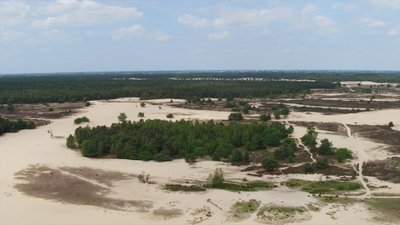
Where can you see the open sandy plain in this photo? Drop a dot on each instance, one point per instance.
(44, 182)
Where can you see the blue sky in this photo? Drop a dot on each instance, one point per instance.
(129, 35)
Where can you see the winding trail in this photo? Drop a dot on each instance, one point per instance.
(358, 166)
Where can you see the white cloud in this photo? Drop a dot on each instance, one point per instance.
(128, 32)
(347, 7)
(395, 31)
(391, 4)
(193, 21)
(251, 17)
(325, 25)
(216, 36)
(161, 36)
(57, 36)
(11, 35)
(309, 10)
(371, 22)
(81, 13)
(14, 12)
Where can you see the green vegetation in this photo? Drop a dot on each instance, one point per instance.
(243, 209)
(85, 87)
(235, 117)
(80, 120)
(342, 154)
(217, 181)
(170, 116)
(71, 143)
(387, 208)
(184, 188)
(265, 117)
(122, 117)
(270, 164)
(323, 187)
(390, 124)
(310, 138)
(141, 114)
(166, 140)
(10, 126)
(142, 104)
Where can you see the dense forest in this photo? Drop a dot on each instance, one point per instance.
(7, 125)
(165, 140)
(82, 87)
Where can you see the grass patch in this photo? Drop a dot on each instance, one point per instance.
(388, 208)
(250, 186)
(243, 209)
(184, 188)
(339, 200)
(313, 207)
(323, 187)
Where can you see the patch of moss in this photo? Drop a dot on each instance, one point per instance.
(243, 209)
(249, 186)
(184, 188)
(323, 187)
(388, 209)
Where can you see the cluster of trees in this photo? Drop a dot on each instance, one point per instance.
(166, 140)
(7, 125)
(84, 87)
(324, 150)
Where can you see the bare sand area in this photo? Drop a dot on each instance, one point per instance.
(43, 182)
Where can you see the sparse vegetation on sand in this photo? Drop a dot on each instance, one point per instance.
(387, 208)
(217, 181)
(243, 209)
(323, 187)
(184, 188)
(282, 214)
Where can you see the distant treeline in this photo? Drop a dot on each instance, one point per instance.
(72, 88)
(165, 140)
(7, 125)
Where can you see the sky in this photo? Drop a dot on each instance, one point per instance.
(43, 36)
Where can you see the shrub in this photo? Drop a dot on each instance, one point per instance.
(343, 154)
(217, 178)
(170, 115)
(141, 114)
(265, 117)
(235, 117)
(144, 178)
(322, 164)
(390, 124)
(326, 147)
(142, 104)
(81, 120)
(122, 117)
(269, 164)
(308, 168)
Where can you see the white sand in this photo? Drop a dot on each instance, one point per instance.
(28, 147)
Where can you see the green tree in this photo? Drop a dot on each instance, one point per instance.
(270, 164)
(71, 142)
(343, 154)
(310, 138)
(326, 147)
(122, 117)
(265, 117)
(89, 149)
